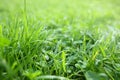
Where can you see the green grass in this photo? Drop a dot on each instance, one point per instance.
(59, 40)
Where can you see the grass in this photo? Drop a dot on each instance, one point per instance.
(59, 40)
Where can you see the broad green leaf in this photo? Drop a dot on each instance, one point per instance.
(32, 75)
(93, 76)
(51, 77)
(4, 41)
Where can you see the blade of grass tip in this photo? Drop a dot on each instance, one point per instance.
(94, 56)
(84, 44)
(84, 47)
(109, 74)
(63, 56)
(25, 20)
(103, 52)
(0, 31)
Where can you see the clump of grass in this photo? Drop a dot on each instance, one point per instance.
(60, 40)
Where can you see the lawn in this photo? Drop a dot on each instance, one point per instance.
(59, 40)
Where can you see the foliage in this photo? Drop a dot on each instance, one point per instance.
(59, 40)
